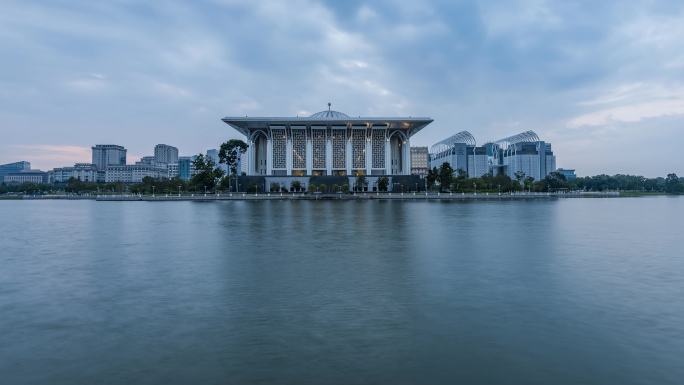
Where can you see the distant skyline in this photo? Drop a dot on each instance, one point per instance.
(602, 81)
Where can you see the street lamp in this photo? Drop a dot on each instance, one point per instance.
(152, 191)
(179, 188)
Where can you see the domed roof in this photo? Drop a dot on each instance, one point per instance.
(330, 115)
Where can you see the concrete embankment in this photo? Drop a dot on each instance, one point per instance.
(358, 196)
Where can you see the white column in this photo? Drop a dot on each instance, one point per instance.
(348, 157)
(250, 158)
(388, 158)
(407, 157)
(328, 153)
(269, 156)
(369, 155)
(309, 155)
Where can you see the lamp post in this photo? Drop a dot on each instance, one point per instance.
(475, 188)
(152, 191)
(179, 188)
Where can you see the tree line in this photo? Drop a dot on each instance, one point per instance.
(209, 177)
(445, 179)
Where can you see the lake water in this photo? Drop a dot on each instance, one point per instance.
(568, 291)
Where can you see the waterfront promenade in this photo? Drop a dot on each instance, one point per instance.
(329, 196)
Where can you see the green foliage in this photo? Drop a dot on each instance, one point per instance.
(446, 174)
(323, 188)
(275, 187)
(345, 188)
(230, 153)
(361, 183)
(383, 183)
(673, 184)
(296, 185)
(431, 177)
(208, 175)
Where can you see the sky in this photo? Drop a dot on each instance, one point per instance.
(603, 81)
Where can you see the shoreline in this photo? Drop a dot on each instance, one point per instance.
(318, 196)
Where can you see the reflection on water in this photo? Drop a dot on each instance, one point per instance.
(560, 291)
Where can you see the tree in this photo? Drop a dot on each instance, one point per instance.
(296, 185)
(527, 182)
(673, 185)
(431, 177)
(446, 173)
(207, 174)
(230, 153)
(275, 187)
(360, 183)
(519, 176)
(461, 174)
(383, 183)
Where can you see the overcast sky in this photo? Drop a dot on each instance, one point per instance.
(603, 81)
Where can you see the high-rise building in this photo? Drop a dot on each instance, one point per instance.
(419, 161)
(108, 155)
(163, 153)
(13, 167)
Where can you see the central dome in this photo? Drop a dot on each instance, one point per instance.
(329, 115)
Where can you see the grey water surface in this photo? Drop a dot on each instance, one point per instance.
(560, 291)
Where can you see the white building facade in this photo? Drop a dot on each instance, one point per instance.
(134, 173)
(163, 153)
(328, 143)
(85, 172)
(104, 155)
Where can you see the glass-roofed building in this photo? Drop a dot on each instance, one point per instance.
(328, 143)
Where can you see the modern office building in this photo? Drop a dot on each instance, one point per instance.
(163, 153)
(85, 172)
(108, 155)
(172, 169)
(523, 152)
(526, 153)
(12, 168)
(328, 143)
(186, 169)
(569, 174)
(462, 153)
(26, 176)
(134, 173)
(420, 161)
(213, 154)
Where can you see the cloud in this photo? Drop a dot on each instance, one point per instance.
(631, 103)
(141, 73)
(47, 155)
